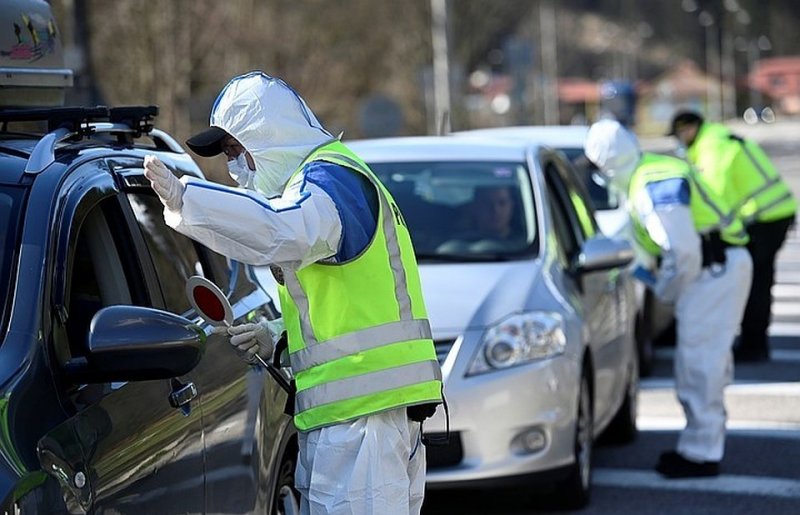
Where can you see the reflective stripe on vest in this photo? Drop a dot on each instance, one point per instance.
(756, 164)
(762, 189)
(765, 188)
(366, 384)
(303, 307)
(763, 209)
(726, 222)
(353, 343)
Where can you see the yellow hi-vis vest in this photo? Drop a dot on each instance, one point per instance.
(709, 212)
(358, 332)
(740, 172)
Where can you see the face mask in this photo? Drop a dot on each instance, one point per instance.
(240, 172)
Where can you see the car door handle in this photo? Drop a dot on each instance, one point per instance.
(182, 394)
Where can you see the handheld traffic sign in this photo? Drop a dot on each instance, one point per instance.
(214, 307)
(209, 301)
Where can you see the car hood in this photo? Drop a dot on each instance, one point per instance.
(462, 296)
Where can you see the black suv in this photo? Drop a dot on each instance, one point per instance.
(115, 397)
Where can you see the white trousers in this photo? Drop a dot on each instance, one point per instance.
(372, 465)
(708, 315)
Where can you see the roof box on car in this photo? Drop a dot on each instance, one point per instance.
(32, 72)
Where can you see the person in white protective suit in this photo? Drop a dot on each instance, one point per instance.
(704, 269)
(359, 341)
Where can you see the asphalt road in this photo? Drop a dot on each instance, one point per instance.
(761, 469)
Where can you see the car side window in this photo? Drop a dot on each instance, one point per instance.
(578, 199)
(560, 208)
(98, 276)
(175, 257)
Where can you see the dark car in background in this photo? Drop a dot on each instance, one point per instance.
(115, 397)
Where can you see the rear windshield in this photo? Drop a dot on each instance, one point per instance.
(10, 201)
(464, 211)
(602, 197)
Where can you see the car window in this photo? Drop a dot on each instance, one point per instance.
(602, 196)
(579, 200)
(10, 210)
(464, 210)
(98, 276)
(564, 218)
(174, 256)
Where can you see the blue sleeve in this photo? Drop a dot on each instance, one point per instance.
(356, 201)
(669, 192)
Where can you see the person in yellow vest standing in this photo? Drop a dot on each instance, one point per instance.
(738, 170)
(704, 269)
(359, 341)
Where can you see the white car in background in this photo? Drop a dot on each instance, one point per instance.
(532, 318)
(653, 317)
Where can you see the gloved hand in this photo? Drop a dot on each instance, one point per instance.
(168, 188)
(249, 340)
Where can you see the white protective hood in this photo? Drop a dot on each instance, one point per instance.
(614, 150)
(273, 123)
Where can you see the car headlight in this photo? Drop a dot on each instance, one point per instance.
(518, 339)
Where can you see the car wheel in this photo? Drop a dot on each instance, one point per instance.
(573, 491)
(622, 428)
(286, 499)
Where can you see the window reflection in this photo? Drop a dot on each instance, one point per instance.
(174, 255)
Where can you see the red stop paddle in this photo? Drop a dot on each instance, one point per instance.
(213, 306)
(209, 301)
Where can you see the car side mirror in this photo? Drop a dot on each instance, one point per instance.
(133, 343)
(602, 253)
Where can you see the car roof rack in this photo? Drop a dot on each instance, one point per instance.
(56, 117)
(63, 123)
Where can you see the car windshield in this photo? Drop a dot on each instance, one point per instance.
(602, 196)
(10, 200)
(464, 211)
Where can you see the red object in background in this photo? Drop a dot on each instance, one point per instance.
(779, 78)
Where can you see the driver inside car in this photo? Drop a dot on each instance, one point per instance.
(487, 225)
(493, 210)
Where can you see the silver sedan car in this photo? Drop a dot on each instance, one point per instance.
(653, 317)
(532, 309)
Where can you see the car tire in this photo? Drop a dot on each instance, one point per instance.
(622, 428)
(573, 491)
(286, 498)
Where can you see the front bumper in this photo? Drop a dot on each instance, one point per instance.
(490, 412)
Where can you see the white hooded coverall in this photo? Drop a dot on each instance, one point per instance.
(371, 465)
(708, 303)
